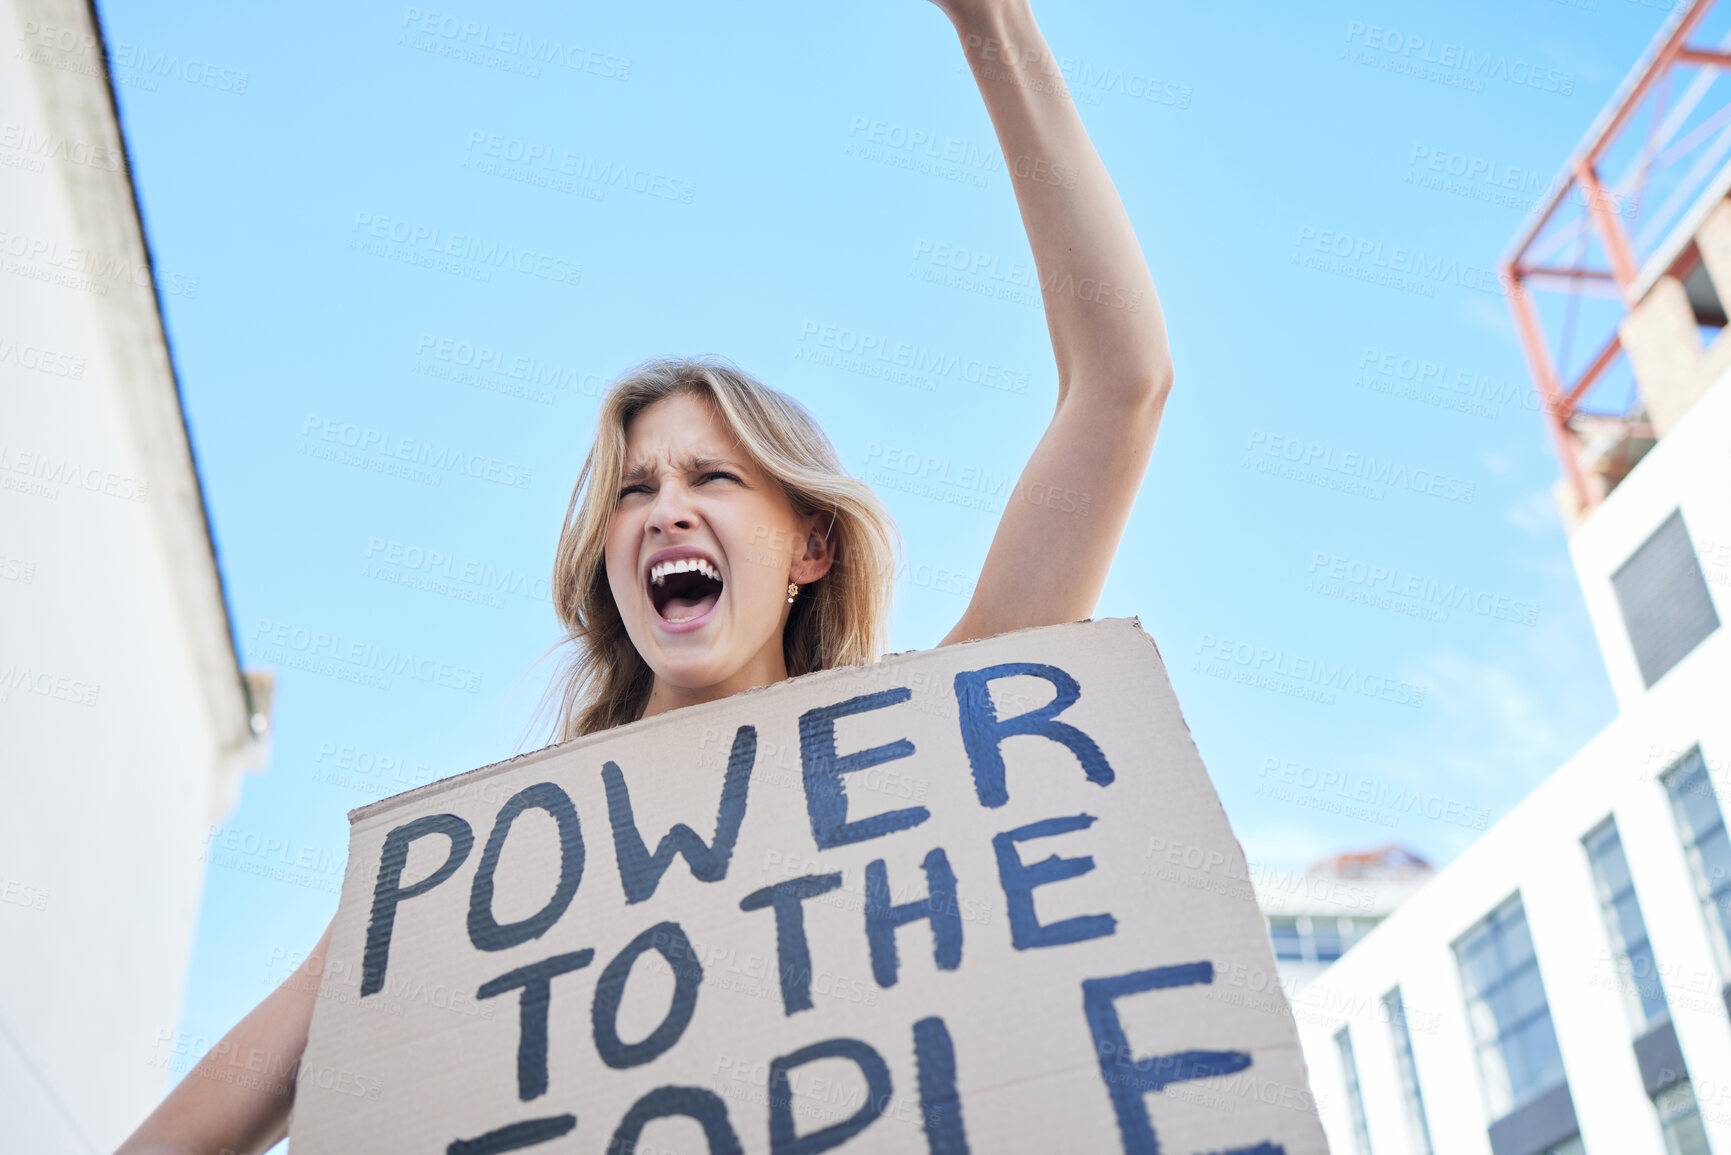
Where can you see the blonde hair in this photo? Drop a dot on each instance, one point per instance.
(841, 619)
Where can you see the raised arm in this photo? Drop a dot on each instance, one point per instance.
(1062, 524)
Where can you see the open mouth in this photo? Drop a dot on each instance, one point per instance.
(684, 589)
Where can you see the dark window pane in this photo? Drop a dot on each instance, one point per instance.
(1599, 839)
(1644, 978)
(1624, 926)
(1628, 922)
(1480, 969)
(1687, 1137)
(1715, 860)
(1538, 1043)
(1284, 933)
(1519, 1067)
(1412, 1096)
(1697, 808)
(1483, 1023)
(1680, 1120)
(1498, 1089)
(1517, 944)
(1721, 911)
(1613, 871)
(1526, 995)
(1506, 1008)
(1663, 595)
(1703, 829)
(1349, 1068)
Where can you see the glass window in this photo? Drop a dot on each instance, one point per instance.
(1624, 926)
(1680, 1120)
(1703, 297)
(1702, 827)
(1663, 595)
(1315, 938)
(1325, 934)
(1353, 929)
(1507, 1010)
(1417, 1126)
(1354, 1100)
(1287, 944)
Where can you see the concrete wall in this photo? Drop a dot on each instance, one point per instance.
(1689, 470)
(123, 719)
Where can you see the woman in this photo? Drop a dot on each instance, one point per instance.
(714, 543)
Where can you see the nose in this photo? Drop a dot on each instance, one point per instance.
(672, 510)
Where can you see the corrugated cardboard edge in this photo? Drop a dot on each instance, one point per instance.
(688, 713)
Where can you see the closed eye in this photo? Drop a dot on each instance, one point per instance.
(720, 473)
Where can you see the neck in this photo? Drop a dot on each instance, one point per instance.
(765, 669)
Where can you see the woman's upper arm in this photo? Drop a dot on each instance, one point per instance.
(1066, 515)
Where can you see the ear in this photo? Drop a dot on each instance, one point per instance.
(819, 553)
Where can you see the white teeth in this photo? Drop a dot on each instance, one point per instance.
(659, 572)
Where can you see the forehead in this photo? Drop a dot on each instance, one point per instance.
(679, 431)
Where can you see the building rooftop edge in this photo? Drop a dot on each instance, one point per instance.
(81, 104)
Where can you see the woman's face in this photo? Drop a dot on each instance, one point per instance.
(700, 550)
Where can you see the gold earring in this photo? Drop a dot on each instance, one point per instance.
(792, 592)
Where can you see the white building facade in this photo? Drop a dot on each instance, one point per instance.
(1565, 979)
(125, 720)
(1563, 985)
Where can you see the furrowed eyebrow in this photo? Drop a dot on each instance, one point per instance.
(690, 465)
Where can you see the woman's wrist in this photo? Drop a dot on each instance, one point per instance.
(1003, 44)
(997, 31)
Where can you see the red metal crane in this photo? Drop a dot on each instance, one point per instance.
(1625, 232)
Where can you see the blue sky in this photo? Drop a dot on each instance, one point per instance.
(308, 196)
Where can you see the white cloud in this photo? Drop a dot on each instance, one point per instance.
(1487, 313)
(1535, 514)
(1494, 735)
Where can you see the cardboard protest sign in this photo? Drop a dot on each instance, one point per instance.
(931, 905)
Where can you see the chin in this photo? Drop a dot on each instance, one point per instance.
(694, 659)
